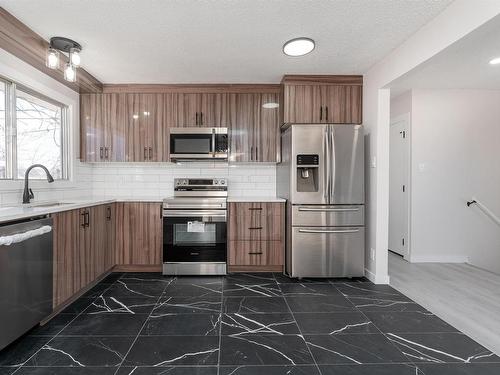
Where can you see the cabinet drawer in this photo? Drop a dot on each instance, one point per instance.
(255, 209)
(252, 227)
(255, 253)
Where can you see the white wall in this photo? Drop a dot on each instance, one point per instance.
(156, 180)
(456, 21)
(79, 184)
(455, 156)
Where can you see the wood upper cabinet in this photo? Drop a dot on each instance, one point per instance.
(322, 99)
(144, 122)
(254, 131)
(92, 138)
(139, 234)
(203, 110)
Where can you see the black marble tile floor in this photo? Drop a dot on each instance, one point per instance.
(245, 324)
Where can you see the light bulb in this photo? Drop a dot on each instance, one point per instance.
(69, 73)
(74, 56)
(52, 58)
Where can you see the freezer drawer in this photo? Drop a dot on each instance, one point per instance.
(327, 252)
(328, 216)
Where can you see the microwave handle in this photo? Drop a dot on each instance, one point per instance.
(213, 143)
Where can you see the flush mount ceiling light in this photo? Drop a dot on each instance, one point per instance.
(270, 105)
(495, 61)
(59, 44)
(298, 46)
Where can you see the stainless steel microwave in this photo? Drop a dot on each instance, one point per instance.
(198, 144)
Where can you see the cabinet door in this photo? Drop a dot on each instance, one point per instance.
(214, 110)
(115, 131)
(188, 110)
(353, 109)
(97, 227)
(66, 279)
(91, 127)
(109, 250)
(139, 233)
(171, 109)
(135, 127)
(266, 129)
(302, 104)
(152, 110)
(335, 104)
(241, 131)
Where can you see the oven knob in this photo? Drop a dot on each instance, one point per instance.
(184, 182)
(216, 182)
(222, 182)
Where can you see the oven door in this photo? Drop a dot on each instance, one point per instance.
(194, 236)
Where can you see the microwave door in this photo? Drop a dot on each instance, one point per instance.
(346, 164)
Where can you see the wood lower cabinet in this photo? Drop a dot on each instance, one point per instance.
(256, 237)
(139, 235)
(322, 99)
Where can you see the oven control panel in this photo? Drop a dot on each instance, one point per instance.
(206, 183)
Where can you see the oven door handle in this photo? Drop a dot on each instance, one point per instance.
(194, 213)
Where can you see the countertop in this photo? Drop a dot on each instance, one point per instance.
(256, 199)
(18, 212)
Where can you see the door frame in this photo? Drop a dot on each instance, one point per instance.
(406, 117)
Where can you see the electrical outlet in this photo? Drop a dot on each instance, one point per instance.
(372, 254)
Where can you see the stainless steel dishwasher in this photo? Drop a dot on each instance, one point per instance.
(25, 276)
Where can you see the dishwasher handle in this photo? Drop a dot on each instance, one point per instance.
(20, 237)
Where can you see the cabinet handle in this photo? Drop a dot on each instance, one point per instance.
(150, 153)
(255, 228)
(101, 152)
(256, 153)
(255, 208)
(251, 153)
(145, 153)
(108, 216)
(255, 253)
(86, 220)
(320, 113)
(326, 114)
(84, 224)
(196, 118)
(106, 153)
(201, 118)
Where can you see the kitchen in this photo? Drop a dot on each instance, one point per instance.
(195, 228)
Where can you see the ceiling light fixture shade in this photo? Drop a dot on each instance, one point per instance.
(74, 57)
(69, 72)
(298, 46)
(495, 61)
(52, 58)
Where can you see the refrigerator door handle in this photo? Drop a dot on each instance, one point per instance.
(326, 152)
(333, 162)
(328, 231)
(328, 209)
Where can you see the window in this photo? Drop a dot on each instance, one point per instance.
(32, 131)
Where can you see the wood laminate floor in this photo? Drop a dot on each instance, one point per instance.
(464, 296)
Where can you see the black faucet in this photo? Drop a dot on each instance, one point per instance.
(28, 193)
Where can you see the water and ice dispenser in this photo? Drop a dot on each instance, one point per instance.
(307, 172)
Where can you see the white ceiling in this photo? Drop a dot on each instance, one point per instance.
(463, 65)
(208, 41)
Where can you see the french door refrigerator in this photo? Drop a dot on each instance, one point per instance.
(321, 175)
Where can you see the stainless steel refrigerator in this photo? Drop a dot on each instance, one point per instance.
(321, 175)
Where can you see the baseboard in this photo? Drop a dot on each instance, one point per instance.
(137, 268)
(376, 279)
(438, 259)
(273, 268)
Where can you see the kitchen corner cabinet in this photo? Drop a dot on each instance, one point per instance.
(254, 131)
(322, 99)
(81, 249)
(139, 234)
(256, 237)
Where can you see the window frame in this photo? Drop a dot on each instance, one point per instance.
(11, 88)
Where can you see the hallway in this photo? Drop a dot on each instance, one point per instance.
(466, 297)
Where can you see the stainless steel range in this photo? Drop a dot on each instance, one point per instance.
(195, 227)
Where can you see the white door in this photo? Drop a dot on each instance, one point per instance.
(399, 152)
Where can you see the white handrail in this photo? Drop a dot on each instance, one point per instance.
(485, 209)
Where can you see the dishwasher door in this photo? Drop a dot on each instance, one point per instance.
(25, 276)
